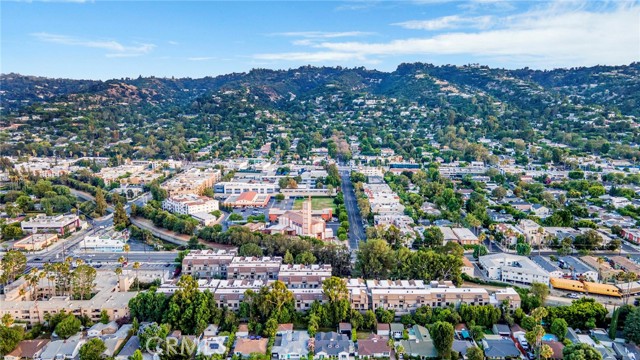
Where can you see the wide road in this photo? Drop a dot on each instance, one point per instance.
(356, 230)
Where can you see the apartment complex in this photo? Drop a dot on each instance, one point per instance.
(254, 268)
(207, 263)
(513, 268)
(304, 276)
(192, 181)
(189, 204)
(61, 224)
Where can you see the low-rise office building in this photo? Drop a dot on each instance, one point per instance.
(61, 224)
(35, 242)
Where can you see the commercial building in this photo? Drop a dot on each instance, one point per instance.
(192, 181)
(35, 242)
(61, 224)
(105, 242)
(238, 187)
(189, 204)
(513, 268)
(247, 199)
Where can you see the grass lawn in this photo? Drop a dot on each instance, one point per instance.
(317, 203)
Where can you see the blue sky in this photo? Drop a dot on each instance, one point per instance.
(114, 39)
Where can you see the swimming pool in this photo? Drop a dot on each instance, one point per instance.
(549, 337)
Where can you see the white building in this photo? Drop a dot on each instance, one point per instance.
(104, 242)
(189, 204)
(513, 268)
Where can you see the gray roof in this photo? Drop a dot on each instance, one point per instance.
(462, 346)
(332, 343)
(130, 347)
(578, 266)
(291, 342)
(545, 264)
(396, 327)
(572, 336)
(502, 328)
(60, 347)
(500, 349)
(422, 345)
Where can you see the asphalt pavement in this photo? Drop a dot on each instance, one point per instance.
(356, 230)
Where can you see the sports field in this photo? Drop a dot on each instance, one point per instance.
(317, 203)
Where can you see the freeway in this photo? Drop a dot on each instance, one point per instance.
(356, 230)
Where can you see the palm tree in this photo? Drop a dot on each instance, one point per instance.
(136, 267)
(126, 249)
(118, 272)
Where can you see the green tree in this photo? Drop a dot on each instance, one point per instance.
(433, 236)
(479, 250)
(523, 249)
(539, 290)
(101, 203)
(306, 258)
(104, 317)
(250, 249)
(559, 328)
(137, 355)
(83, 281)
(9, 338)
(69, 326)
(12, 231)
(335, 289)
(13, 264)
(120, 217)
(442, 335)
(288, 258)
(475, 353)
(632, 326)
(92, 349)
(580, 352)
(374, 259)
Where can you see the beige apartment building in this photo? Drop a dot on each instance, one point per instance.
(300, 276)
(207, 263)
(254, 268)
(192, 181)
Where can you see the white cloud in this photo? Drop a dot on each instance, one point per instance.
(114, 48)
(201, 58)
(559, 34)
(448, 22)
(322, 34)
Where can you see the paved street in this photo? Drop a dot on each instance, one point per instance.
(356, 230)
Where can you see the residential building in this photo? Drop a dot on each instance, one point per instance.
(463, 236)
(290, 345)
(512, 268)
(62, 349)
(532, 231)
(254, 268)
(238, 187)
(27, 349)
(301, 276)
(213, 345)
(419, 344)
(374, 347)
(244, 347)
(192, 181)
(497, 347)
(61, 224)
(578, 269)
(207, 263)
(189, 204)
(332, 345)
